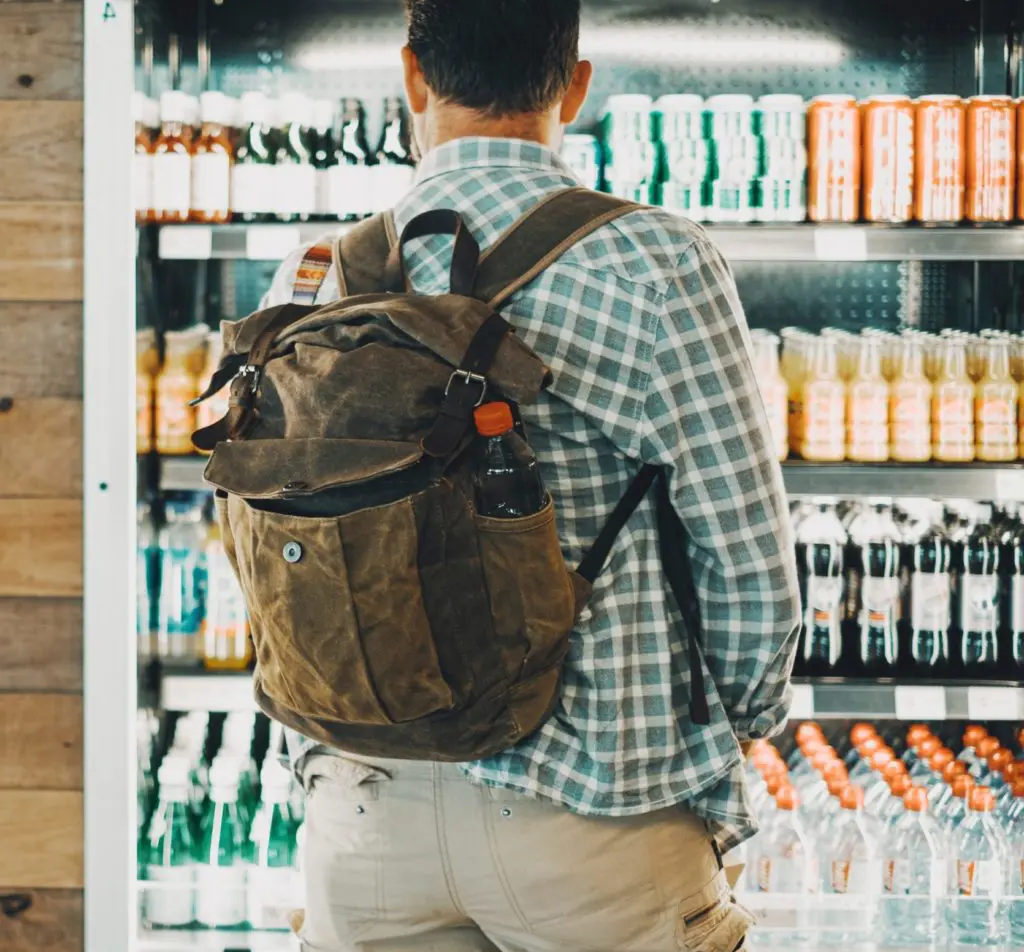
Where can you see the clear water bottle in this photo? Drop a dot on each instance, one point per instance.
(272, 852)
(978, 913)
(956, 807)
(1014, 825)
(913, 875)
(221, 867)
(181, 582)
(786, 866)
(820, 541)
(170, 861)
(508, 483)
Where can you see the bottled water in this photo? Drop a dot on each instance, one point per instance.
(956, 807)
(974, 734)
(979, 858)
(147, 561)
(170, 864)
(221, 872)
(893, 808)
(1015, 874)
(271, 853)
(913, 875)
(182, 584)
(785, 866)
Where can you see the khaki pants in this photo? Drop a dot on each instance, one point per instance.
(411, 856)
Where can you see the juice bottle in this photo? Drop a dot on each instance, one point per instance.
(172, 161)
(214, 408)
(775, 392)
(226, 643)
(846, 350)
(177, 385)
(824, 406)
(996, 406)
(868, 407)
(953, 407)
(142, 167)
(211, 160)
(793, 367)
(147, 363)
(910, 405)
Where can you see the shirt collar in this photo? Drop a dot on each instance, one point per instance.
(480, 152)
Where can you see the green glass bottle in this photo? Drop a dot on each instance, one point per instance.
(220, 863)
(272, 876)
(170, 848)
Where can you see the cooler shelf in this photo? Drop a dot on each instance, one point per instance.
(172, 940)
(753, 242)
(978, 481)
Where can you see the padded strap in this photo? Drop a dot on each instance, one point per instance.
(312, 272)
(465, 250)
(541, 237)
(674, 561)
(361, 255)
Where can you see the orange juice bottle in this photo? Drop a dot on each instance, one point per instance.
(177, 385)
(867, 415)
(793, 367)
(147, 363)
(226, 642)
(996, 406)
(910, 406)
(216, 407)
(824, 406)
(774, 391)
(953, 407)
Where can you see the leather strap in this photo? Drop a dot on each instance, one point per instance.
(465, 252)
(541, 237)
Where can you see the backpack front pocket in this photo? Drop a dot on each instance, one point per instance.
(337, 613)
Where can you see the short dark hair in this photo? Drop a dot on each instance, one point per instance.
(500, 57)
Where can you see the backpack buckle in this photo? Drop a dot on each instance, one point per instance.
(467, 378)
(251, 370)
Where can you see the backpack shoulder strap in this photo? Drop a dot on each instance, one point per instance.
(358, 258)
(541, 237)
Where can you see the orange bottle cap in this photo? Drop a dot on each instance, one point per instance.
(835, 768)
(861, 732)
(898, 786)
(1000, 759)
(881, 757)
(809, 730)
(851, 797)
(982, 800)
(987, 746)
(928, 746)
(1018, 788)
(493, 419)
(916, 799)
(787, 798)
(895, 768)
(809, 746)
(1020, 736)
(917, 733)
(870, 745)
(822, 756)
(962, 785)
(837, 784)
(1014, 771)
(775, 783)
(973, 734)
(955, 768)
(940, 758)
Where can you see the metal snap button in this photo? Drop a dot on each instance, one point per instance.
(506, 812)
(360, 810)
(292, 552)
(295, 486)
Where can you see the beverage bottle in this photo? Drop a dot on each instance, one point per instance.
(978, 596)
(939, 794)
(879, 550)
(849, 865)
(978, 913)
(294, 174)
(507, 481)
(911, 406)
(180, 610)
(212, 156)
(216, 407)
(271, 852)
(323, 154)
(996, 406)
(142, 166)
(893, 806)
(774, 391)
(953, 408)
(252, 176)
(1014, 825)
(176, 386)
(913, 875)
(147, 364)
(393, 174)
(786, 866)
(793, 367)
(170, 862)
(351, 186)
(867, 416)
(172, 161)
(220, 863)
(824, 406)
(916, 733)
(974, 734)
(1012, 563)
(928, 559)
(226, 644)
(820, 543)
(956, 806)
(147, 581)
(921, 770)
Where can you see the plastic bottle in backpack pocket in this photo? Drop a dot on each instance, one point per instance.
(507, 482)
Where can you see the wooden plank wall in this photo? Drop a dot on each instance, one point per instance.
(40, 475)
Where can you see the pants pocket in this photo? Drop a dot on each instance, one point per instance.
(712, 921)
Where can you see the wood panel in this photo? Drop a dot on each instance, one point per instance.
(44, 920)
(41, 152)
(40, 250)
(41, 448)
(40, 840)
(41, 547)
(41, 645)
(41, 350)
(40, 742)
(41, 50)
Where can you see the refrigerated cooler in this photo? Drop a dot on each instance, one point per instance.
(857, 163)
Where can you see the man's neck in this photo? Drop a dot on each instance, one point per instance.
(454, 122)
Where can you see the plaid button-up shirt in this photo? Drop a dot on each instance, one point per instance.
(643, 330)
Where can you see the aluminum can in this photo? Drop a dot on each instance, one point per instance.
(730, 115)
(991, 158)
(781, 116)
(887, 151)
(582, 153)
(628, 117)
(940, 166)
(833, 158)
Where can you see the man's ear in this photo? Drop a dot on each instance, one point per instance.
(415, 82)
(577, 93)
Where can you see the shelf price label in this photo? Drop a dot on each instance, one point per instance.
(920, 703)
(803, 702)
(186, 242)
(271, 242)
(840, 244)
(994, 703)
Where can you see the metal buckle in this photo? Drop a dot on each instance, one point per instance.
(250, 370)
(466, 377)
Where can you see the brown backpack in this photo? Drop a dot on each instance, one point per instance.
(389, 618)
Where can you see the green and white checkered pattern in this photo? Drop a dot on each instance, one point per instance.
(645, 335)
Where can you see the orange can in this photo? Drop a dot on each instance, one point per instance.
(833, 159)
(1020, 162)
(888, 158)
(991, 158)
(940, 152)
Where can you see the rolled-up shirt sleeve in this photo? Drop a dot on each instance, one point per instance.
(705, 420)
